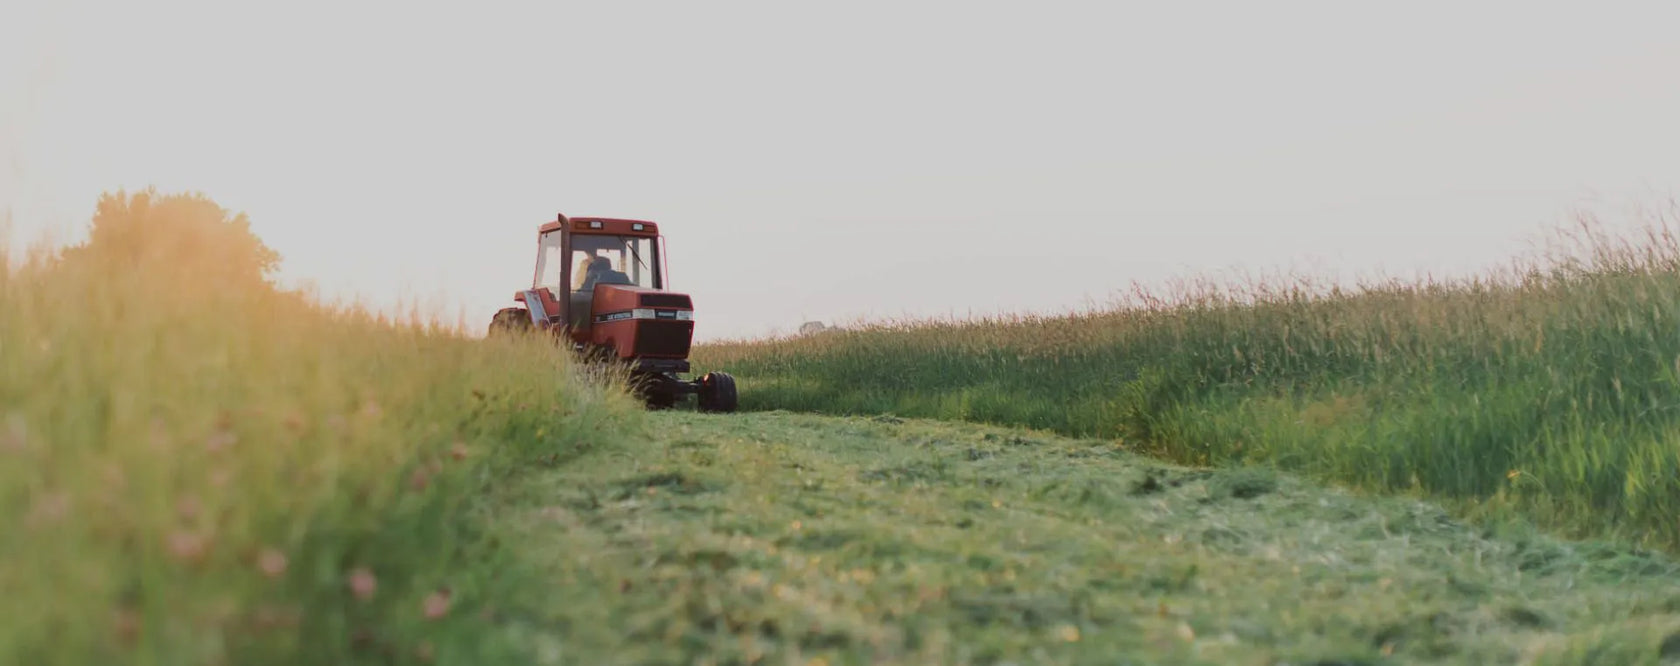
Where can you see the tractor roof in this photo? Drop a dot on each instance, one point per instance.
(605, 225)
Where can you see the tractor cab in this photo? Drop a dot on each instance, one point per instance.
(571, 265)
(602, 283)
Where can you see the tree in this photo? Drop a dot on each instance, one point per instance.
(177, 239)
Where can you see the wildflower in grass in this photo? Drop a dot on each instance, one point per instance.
(271, 617)
(362, 583)
(189, 507)
(1068, 633)
(436, 604)
(188, 546)
(458, 451)
(271, 562)
(419, 480)
(16, 437)
(219, 440)
(125, 623)
(49, 508)
(160, 437)
(115, 477)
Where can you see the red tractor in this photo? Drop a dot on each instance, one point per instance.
(602, 283)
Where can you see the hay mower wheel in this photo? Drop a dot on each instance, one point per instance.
(717, 392)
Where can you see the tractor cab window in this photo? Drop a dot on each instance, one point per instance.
(549, 262)
(599, 259)
(603, 259)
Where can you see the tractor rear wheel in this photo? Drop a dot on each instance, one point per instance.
(510, 320)
(717, 392)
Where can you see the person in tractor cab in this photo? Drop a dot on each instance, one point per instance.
(596, 270)
(599, 270)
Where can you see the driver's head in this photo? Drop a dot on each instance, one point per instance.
(600, 264)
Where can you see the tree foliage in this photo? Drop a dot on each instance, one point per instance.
(178, 239)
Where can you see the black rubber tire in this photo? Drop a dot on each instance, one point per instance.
(717, 393)
(510, 320)
(653, 390)
(659, 399)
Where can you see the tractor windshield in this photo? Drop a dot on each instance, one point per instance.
(613, 260)
(600, 259)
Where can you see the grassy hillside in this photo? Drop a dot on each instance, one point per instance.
(196, 468)
(1553, 388)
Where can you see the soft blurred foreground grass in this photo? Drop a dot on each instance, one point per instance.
(1551, 389)
(198, 469)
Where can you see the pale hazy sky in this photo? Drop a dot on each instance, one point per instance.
(826, 161)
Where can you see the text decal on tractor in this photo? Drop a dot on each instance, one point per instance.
(600, 283)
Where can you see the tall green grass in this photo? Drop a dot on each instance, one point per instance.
(196, 468)
(1551, 388)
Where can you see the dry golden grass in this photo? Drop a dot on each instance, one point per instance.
(197, 468)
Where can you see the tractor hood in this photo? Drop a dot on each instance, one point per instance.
(616, 298)
(619, 302)
(641, 322)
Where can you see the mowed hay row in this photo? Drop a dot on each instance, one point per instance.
(198, 468)
(1551, 388)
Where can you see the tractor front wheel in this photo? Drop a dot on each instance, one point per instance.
(717, 392)
(655, 390)
(660, 399)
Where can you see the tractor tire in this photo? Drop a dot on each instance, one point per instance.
(717, 393)
(653, 390)
(510, 320)
(659, 399)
